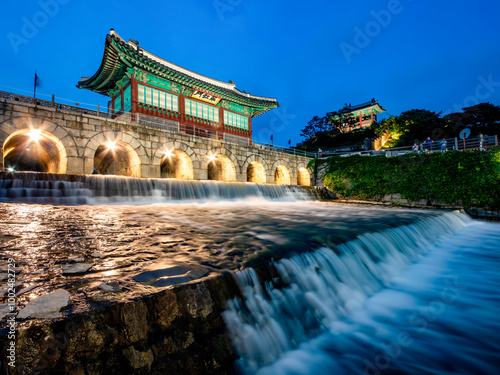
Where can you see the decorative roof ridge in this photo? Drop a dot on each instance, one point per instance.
(355, 107)
(351, 108)
(148, 55)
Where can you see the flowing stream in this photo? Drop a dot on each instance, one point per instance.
(416, 299)
(45, 188)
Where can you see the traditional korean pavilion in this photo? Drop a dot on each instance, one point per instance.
(363, 114)
(139, 82)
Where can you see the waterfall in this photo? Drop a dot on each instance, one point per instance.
(323, 286)
(46, 188)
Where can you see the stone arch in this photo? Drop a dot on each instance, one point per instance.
(256, 172)
(132, 154)
(63, 140)
(281, 172)
(219, 167)
(223, 156)
(282, 175)
(255, 158)
(176, 164)
(172, 145)
(304, 174)
(34, 149)
(174, 159)
(303, 177)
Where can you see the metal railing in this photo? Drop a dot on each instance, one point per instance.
(481, 143)
(16, 98)
(242, 141)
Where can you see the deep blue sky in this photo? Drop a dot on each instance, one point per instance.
(435, 55)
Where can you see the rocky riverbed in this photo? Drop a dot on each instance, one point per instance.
(149, 282)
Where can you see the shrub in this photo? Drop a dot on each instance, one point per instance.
(471, 178)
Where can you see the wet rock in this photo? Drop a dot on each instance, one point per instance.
(4, 310)
(135, 321)
(26, 290)
(138, 359)
(165, 308)
(110, 287)
(76, 268)
(46, 306)
(5, 289)
(177, 342)
(197, 301)
(161, 277)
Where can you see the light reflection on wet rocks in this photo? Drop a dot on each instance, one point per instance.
(180, 242)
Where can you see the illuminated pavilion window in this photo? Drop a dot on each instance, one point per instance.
(235, 120)
(127, 99)
(118, 103)
(201, 110)
(157, 98)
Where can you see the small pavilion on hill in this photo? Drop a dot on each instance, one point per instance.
(363, 115)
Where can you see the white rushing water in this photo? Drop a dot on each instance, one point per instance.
(366, 308)
(45, 188)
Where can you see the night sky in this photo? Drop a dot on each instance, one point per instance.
(408, 54)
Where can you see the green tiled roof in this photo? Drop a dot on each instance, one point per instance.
(120, 55)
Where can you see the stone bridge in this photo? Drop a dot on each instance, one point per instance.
(55, 140)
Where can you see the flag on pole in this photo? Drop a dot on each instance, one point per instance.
(271, 137)
(37, 83)
(289, 142)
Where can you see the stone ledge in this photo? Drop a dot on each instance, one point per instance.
(178, 330)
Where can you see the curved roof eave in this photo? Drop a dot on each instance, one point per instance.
(112, 57)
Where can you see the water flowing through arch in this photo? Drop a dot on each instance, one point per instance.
(34, 150)
(256, 172)
(282, 175)
(303, 177)
(176, 164)
(117, 158)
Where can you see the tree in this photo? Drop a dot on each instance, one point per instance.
(416, 125)
(314, 126)
(341, 121)
(481, 118)
(388, 131)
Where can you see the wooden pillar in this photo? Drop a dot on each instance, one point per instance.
(221, 121)
(182, 113)
(134, 97)
(122, 110)
(250, 127)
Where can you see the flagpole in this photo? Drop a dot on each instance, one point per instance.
(34, 90)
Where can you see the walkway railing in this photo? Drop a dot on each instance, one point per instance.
(16, 98)
(154, 122)
(474, 143)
